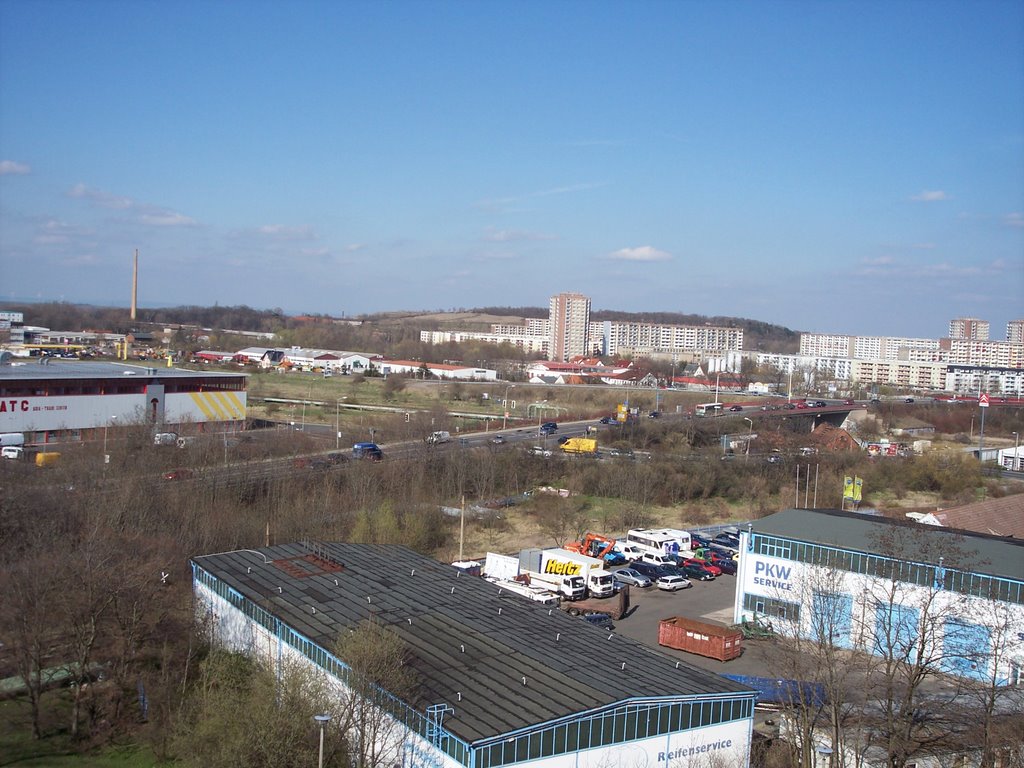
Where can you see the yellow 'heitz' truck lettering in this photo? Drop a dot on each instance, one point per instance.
(562, 569)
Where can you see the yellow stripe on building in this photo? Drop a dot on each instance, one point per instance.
(237, 401)
(197, 398)
(224, 402)
(211, 400)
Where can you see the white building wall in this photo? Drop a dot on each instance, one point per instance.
(236, 632)
(795, 582)
(722, 744)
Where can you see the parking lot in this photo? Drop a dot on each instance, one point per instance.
(707, 601)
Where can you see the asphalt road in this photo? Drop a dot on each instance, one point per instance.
(705, 600)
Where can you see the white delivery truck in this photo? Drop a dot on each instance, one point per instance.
(564, 581)
(530, 591)
(561, 563)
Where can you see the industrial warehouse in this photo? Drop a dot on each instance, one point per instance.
(501, 680)
(888, 587)
(51, 401)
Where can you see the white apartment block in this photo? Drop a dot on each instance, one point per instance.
(569, 325)
(834, 367)
(1015, 331)
(531, 327)
(902, 374)
(969, 380)
(986, 354)
(646, 338)
(529, 344)
(864, 347)
(968, 328)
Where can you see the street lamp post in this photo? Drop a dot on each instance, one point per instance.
(504, 405)
(750, 430)
(322, 720)
(1016, 446)
(106, 457)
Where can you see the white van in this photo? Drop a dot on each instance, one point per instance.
(439, 437)
(12, 452)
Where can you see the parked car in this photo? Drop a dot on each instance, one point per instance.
(697, 571)
(714, 570)
(649, 570)
(599, 619)
(654, 559)
(727, 540)
(671, 582)
(631, 576)
(724, 563)
(698, 540)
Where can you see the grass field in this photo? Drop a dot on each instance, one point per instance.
(485, 398)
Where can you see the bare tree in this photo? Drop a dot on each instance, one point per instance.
(379, 683)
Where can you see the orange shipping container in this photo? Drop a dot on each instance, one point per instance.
(715, 641)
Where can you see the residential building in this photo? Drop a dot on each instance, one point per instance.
(516, 335)
(614, 337)
(863, 347)
(968, 328)
(569, 326)
(1003, 354)
(1015, 331)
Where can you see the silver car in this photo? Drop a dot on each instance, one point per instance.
(672, 582)
(630, 576)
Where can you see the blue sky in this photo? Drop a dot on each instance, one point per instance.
(829, 166)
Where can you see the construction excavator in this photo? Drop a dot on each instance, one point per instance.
(601, 547)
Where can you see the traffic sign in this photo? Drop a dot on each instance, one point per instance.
(983, 400)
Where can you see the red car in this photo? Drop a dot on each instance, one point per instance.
(714, 570)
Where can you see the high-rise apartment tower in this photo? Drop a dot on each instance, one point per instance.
(569, 326)
(968, 328)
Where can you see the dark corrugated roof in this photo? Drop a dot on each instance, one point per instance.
(478, 640)
(54, 369)
(904, 540)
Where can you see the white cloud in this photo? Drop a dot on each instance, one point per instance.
(99, 197)
(513, 236)
(353, 247)
(643, 253)
(14, 168)
(284, 232)
(166, 219)
(1015, 219)
(502, 204)
(142, 213)
(931, 196)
